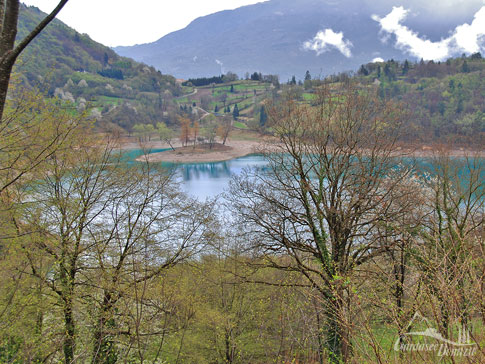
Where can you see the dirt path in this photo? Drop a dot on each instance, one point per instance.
(187, 95)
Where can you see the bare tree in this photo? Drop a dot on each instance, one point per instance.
(100, 230)
(9, 52)
(210, 131)
(166, 134)
(332, 180)
(450, 236)
(31, 132)
(149, 229)
(225, 128)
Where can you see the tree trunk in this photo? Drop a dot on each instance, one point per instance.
(104, 351)
(337, 338)
(5, 71)
(319, 336)
(8, 32)
(7, 41)
(229, 352)
(69, 340)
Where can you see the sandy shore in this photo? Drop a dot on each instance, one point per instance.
(240, 148)
(233, 149)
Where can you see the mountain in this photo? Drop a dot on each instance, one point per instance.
(73, 67)
(269, 37)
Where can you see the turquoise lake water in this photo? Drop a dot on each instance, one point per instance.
(205, 180)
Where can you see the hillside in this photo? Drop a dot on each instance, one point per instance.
(446, 100)
(446, 97)
(269, 37)
(75, 68)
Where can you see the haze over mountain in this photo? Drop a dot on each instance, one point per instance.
(288, 37)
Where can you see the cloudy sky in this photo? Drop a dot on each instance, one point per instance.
(120, 22)
(466, 38)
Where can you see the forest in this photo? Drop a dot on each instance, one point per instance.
(334, 254)
(345, 248)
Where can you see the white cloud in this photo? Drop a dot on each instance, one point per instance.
(327, 38)
(469, 37)
(466, 38)
(377, 59)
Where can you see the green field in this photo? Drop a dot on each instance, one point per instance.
(240, 125)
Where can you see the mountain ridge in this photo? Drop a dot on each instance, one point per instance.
(268, 37)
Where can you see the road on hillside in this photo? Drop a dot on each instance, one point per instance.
(191, 94)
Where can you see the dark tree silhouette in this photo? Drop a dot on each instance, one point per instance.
(235, 112)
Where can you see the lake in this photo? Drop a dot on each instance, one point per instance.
(205, 180)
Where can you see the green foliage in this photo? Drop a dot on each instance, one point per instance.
(240, 125)
(443, 97)
(73, 63)
(144, 132)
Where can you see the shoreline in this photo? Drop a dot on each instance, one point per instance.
(241, 148)
(234, 149)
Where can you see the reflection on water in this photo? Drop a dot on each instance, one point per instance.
(200, 171)
(204, 180)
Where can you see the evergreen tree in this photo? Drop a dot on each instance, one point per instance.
(477, 55)
(235, 112)
(263, 117)
(363, 71)
(405, 67)
(464, 67)
(232, 88)
(308, 77)
(216, 109)
(387, 70)
(459, 107)
(255, 76)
